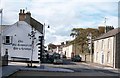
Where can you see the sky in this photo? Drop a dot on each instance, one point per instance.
(63, 15)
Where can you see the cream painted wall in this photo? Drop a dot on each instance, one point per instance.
(68, 50)
(99, 49)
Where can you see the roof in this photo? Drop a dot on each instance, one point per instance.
(37, 25)
(109, 34)
(31, 21)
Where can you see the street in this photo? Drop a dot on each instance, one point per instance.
(83, 67)
(80, 69)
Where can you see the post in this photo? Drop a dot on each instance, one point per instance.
(75, 45)
(90, 47)
(32, 51)
(1, 38)
(91, 57)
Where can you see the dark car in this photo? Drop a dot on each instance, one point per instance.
(58, 61)
(76, 58)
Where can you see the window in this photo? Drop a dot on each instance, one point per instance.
(102, 45)
(102, 58)
(96, 56)
(108, 43)
(97, 45)
(8, 40)
(108, 57)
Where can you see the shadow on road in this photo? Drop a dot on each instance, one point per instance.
(68, 62)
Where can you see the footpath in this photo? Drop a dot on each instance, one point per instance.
(11, 69)
(100, 66)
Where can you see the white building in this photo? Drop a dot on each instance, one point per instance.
(106, 49)
(16, 38)
(67, 50)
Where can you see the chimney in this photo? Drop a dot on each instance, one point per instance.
(62, 43)
(28, 16)
(101, 29)
(108, 28)
(22, 15)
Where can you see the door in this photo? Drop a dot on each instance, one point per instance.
(102, 61)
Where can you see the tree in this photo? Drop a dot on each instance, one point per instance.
(80, 36)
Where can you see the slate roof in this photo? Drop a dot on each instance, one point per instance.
(37, 25)
(34, 23)
(109, 34)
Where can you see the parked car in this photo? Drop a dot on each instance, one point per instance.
(76, 58)
(58, 61)
(63, 56)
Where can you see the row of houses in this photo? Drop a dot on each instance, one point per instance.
(17, 41)
(106, 49)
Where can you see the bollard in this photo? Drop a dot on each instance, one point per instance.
(5, 58)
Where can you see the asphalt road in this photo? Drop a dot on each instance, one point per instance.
(81, 70)
(80, 67)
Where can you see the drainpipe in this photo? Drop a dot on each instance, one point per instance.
(114, 51)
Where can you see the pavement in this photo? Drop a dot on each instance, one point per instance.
(14, 67)
(100, 66)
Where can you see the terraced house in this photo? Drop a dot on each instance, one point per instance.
(106, 48)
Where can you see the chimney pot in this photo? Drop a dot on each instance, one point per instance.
(20, 10)
(23, 11)
(21, 15)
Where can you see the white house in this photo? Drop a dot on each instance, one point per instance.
(67, 50)
(106, 49)
(16, 38)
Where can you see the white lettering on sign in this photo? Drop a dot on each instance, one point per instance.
(21, 46)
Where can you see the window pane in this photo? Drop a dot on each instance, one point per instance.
(7, 39)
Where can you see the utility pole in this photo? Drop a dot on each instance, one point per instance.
(90, 46)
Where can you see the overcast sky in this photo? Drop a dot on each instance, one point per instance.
(63, 15)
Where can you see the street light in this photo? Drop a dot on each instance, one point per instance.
(44, 32)
(90, 45)
(1, 34)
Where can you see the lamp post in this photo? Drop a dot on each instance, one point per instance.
(90, 45)
(32, 36)
(44, 32)
(1, 34)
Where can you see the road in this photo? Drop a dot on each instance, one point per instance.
(80, 69)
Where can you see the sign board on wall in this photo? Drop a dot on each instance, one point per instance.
(21, 46)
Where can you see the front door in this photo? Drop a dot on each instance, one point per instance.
(102, 61)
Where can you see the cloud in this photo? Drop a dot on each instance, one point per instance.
(110, 21)
(63, 15)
